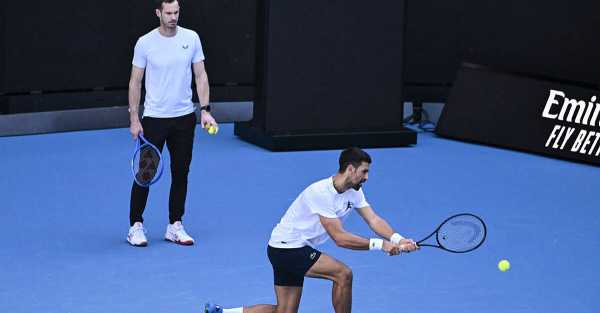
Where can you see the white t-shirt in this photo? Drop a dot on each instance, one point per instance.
(168, 61)
(301, 226)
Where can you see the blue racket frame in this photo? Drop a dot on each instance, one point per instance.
(141, 143)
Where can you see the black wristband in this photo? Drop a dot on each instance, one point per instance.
(205, 108)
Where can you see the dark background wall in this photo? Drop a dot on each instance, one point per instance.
(339, 72)
(86, 46)
(52, 46)
(73, 49)
(3, 106)
(553, 38)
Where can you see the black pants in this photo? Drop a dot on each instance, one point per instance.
(178, 133)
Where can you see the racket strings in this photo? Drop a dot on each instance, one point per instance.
(462, 233)
(146, 162)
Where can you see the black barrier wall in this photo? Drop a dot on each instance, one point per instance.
(524, 112)
(87, 45)
(340, 71)
(2, 58)
(329, 76)
(554, 38)
(62, 46)
(57, 45)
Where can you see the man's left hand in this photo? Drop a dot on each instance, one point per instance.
(206, 119)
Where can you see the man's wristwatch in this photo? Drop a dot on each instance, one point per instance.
(205, 108)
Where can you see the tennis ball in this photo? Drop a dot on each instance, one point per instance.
(212, 130)
(503, 265)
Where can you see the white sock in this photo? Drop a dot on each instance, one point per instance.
(234, 310)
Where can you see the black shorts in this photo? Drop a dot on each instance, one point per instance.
(290, 265)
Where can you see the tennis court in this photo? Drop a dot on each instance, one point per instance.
(65, 204)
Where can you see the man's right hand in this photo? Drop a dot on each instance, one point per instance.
(135, 128)
(408, 245)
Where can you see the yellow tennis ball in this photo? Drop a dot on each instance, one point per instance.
(212, 130)
(504, 265)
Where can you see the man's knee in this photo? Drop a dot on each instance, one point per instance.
(345, 275)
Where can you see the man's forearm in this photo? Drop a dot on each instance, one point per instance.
(382, 228)
(203, 90)
(134, 102)
(351, 241)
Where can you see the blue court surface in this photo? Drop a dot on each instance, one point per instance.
(65, 204)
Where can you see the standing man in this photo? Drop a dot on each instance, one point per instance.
(167, 55)
(315, 215)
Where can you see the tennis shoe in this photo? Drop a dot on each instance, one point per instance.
(137, 235)
(212, 308)
(176, 233)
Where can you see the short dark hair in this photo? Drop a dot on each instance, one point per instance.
(158, 3)
(354, 156)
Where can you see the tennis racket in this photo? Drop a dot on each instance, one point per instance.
(459, 233)
(146, 163)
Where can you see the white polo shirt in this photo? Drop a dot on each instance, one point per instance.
(300, 225)
(168, 63)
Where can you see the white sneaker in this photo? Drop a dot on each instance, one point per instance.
(137, 235)
(176, 233)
